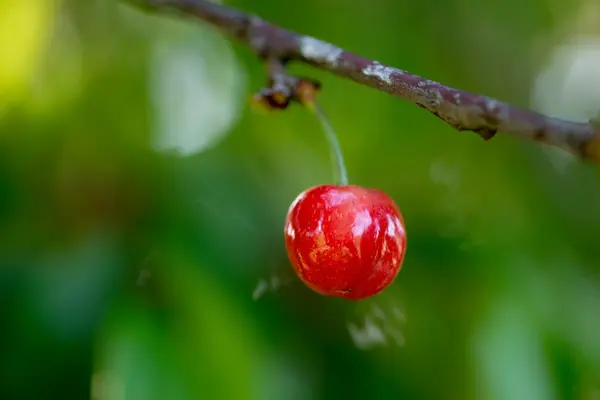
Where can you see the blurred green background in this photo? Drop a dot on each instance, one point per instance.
(142, 204)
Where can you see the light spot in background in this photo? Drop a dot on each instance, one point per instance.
(379, 328)
(568, 87)
(143, 277)
(559, 158)
(445, 174)
(562, 302)
(448, 177)
(106, 386)
(509, 357)
(197, 90)
(271, 284)
(24, 28)
(285, 376)
(261, 288)
(72, 286)
(583, 326)
(566, 300)
(132, 363)
(368, 336)
(59, 74)
(227, 215)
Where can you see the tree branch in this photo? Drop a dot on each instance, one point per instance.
(460, 109)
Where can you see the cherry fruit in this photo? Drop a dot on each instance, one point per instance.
(345, 241)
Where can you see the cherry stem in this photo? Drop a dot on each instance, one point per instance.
(341, 175)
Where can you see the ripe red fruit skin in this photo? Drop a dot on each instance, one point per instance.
(345, 241)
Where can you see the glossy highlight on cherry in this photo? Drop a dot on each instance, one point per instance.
(345, 241)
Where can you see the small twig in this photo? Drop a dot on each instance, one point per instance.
(282, 88)
(460, 109)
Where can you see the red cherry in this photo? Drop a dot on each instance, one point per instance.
(345, 241)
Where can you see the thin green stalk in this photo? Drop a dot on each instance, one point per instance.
(339, 167)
